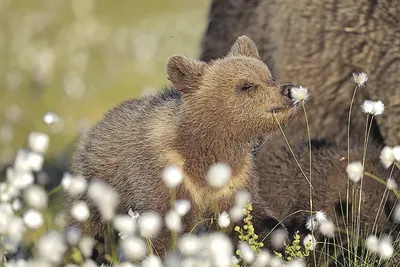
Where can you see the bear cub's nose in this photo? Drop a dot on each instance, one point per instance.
(286, 90)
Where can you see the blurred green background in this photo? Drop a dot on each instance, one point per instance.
(78, 58)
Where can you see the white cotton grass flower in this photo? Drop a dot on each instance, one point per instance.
(125, 225)
(52, 247)
(246, 252)
(387, 156)
(385, 248)
(299, 94)
(278, 238)
(16, 229)
(28, 161)
(86, 245)
(36, 197)
(391, 184)
(73, 235)
(360, 79)
(236, 213)
(220, 249)
(189, 245)
(134, 248)
(372, 243)
(182, 206)
(373, 107)
(327, 228)
(104, 197)
(311, 223)
(218, 175)
(19, 179)
(17, 204)
(6, 213)
(80, 211)
(152, 261)
(134, 214)
(310, 241)
(242, 198)
(263, 258)
(38, 142)
(173, 221)
(223, 220)
(396, 153)
(355, 171)
(89, 263)
(172, 176)
(150, 224)
(320, 216)
(51, 118)
(73, 185)
(33, 219)
(296, 263)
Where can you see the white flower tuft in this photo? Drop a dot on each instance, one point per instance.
(311, 223)
(355, 171)
(320, 216)
(309, 240)
(105, 198)
(220, 249)
(372, 243)
(360, 79)
(152, 261)
(396, 153)
(385, 248)
(172, 176)
(278, 238)
(86, 246)
(125, 225)
(51, 118)
(28, 161)
(73, 235)
(327, 228)
(299, 94)
(38, 142)
(150, 224)
(74, 185)
(236, 213)
(373, 107)
(182, 206)
(387, 157)
(173, 221)
(246, 252)
(242, 198)
(134, 248)
(223, 220)
(188, 245)
(33, 218)
(391, 184)
(80, 211)
(218, 175)
(52, 247)
(263, 258)
(36, 197)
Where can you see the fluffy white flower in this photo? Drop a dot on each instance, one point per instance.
(242, 198)
(263, 258)
(74, 185)
(299, 94)
(52, 247)
(38, 142)
(73, 235)
(51, 118)
(173, 221)
(150, 224)
(172, 176)
(355, 171)
(19, 179)
(391, 184)
(385, 248)
(218, 175)
(246, 252)
(89, 263)
(28, 161)
(386, 156)
(311, 223)
(320, 216)
(223, 220)
(125, 225)
(278, 238)
(182, 206)
(152, 261)
(327, 228)
(86, 246)
(134, 248)
(360, 79)
(189, 245)
(372, 243)
(80, 211)
(236, 213)
(16, 229)
(373, 107)
(396, 153)
(296, 263)
(33, 218)
(104, 197)
(36, 197)
(17, 204)
(220, 249)
(309, 240)
(6, 214)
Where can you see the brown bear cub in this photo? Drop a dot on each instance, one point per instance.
(284, 188)
(214, 113)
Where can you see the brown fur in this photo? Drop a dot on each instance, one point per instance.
(206, 119)
(286, 190)
(319, 44)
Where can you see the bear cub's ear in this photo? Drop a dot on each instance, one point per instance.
(184, 73)
(244, 46)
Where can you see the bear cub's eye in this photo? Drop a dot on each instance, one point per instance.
(246, 86)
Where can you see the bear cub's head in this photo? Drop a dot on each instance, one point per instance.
(235, 94)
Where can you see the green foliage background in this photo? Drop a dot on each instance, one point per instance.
(102, 51)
